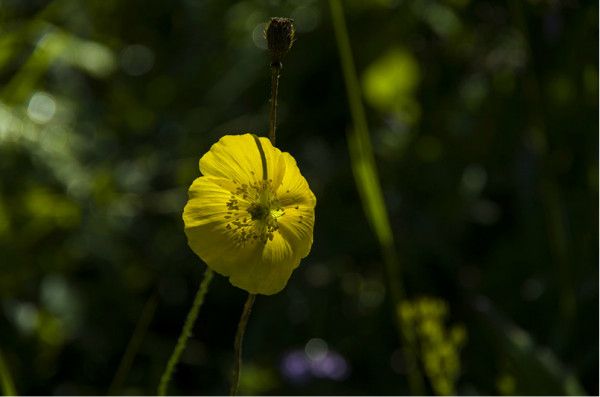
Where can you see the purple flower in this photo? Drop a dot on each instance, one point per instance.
(299, 366)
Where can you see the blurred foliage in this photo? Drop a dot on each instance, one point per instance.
(439, 346)
(484, 127)
(390, 83)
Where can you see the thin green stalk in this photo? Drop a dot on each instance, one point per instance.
(185, 332)
(239, 337)
(367, 180)
(134, 343)
(6, 381)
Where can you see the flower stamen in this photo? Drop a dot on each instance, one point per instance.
(252, 213)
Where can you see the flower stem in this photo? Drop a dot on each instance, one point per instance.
(185, 332)
(275, 73)
(239, 336)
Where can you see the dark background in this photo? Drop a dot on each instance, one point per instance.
(484, 122)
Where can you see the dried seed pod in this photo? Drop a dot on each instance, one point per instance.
(280, 37)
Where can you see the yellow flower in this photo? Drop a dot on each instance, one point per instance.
(250, 216)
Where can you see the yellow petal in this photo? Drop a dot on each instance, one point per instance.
(296, 227)
(238, 158)
(294, 189)
(298, 201)
(258, 254)
(269, 269)
(206, 225)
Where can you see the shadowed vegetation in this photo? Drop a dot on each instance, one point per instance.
(471, 172)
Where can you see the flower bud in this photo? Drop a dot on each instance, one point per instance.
(280, 37)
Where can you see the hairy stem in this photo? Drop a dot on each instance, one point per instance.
(185, 332)
(239, 337)
(275, 73)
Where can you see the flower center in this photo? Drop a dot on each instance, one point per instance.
(259, 219)
(258, 211)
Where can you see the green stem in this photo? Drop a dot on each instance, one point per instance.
(185, 332)
(275, 73)
(367, 181)
(6, 381)
(239, 337)
(134, 343)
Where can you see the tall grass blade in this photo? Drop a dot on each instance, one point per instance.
(367, 181)
(6, 381)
